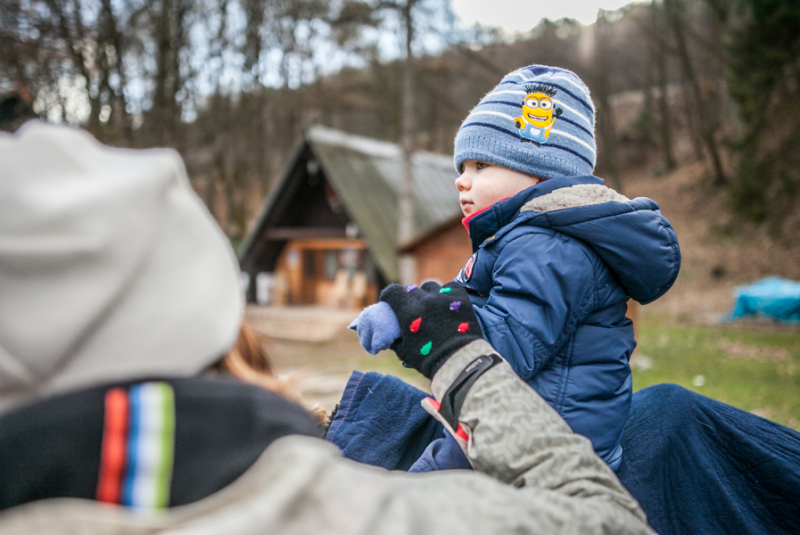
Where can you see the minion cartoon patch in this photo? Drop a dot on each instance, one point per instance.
(539, 114)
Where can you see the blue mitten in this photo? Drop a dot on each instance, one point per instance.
(377, 327)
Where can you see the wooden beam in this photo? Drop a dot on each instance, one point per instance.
(303, 233)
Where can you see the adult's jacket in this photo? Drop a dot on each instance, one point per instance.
(551, 272)
(533, 475)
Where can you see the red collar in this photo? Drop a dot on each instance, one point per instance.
(465, 221)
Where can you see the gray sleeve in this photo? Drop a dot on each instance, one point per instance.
(515, 437)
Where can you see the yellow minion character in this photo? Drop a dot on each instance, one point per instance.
(539, 114)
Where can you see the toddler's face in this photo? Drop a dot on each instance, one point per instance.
(481, 185)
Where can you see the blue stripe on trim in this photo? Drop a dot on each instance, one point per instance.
(557, 86)
(133, 438)
(588, 162)
(514, 134)
(511, 133)
(537, 70)
(573, 95)
(573, 123)
(515, 104)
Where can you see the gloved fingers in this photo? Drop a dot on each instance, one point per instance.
(393, 292)
(431, 286)
(377, 327)
(454, 285)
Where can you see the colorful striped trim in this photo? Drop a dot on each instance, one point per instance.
(146, 444)
(112, 455)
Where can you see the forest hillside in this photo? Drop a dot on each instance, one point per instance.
(698, 101)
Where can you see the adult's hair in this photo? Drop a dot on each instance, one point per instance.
(249, 361)
(14, 110)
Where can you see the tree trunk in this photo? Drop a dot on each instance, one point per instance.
(606, 124)
(660, 59)
(701, 107)
(405, 201)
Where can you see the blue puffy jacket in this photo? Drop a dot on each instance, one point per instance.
(551, 272)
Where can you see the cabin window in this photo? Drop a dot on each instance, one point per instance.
(331, 264)
(369, 268)
(309, 264)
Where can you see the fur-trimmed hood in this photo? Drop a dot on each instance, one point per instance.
(631, 236)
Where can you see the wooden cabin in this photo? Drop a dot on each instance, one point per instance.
(441, 252)
(327, 232)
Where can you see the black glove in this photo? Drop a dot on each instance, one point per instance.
(559, 112)
(435, 322)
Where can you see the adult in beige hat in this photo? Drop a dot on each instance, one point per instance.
(110, 267)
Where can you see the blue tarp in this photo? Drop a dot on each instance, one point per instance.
(772, 297)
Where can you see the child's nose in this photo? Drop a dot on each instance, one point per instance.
(462, 182)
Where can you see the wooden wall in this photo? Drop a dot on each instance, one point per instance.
(443, 254)
(301, 277)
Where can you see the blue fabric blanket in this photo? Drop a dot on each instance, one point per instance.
(772, 297)
(694, 464)
(697, 465)
(380, 422)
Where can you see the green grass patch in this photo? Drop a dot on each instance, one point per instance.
(754, 370)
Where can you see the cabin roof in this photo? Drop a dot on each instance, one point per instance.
(365, 174)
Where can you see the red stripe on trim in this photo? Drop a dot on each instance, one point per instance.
(112, 456)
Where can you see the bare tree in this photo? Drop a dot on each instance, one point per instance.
(606, 123)
(674, 10)
(405, 205)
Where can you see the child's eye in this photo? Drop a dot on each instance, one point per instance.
(481, 165)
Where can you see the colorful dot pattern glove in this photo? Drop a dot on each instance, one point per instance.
(377, 327)
(435, 322)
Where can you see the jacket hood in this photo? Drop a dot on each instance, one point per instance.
(631, 236)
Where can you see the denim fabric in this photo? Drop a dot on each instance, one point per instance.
(697, 465)
(380, 422)
(442, 454)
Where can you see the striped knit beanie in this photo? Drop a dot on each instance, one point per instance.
(539, 120)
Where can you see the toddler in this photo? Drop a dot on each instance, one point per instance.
(556, 254)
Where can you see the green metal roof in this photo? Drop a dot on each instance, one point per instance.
(366, 174)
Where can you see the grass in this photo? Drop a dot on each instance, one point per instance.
(755, 368)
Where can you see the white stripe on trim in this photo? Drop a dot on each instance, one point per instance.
(573, 138)
(507, 91)
(575, 112)
(488, 112)
(148, 446)
(583, 89)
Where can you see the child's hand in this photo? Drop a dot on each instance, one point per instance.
(377, 327)
(435, 322)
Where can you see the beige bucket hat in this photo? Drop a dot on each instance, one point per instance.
(111, 268)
